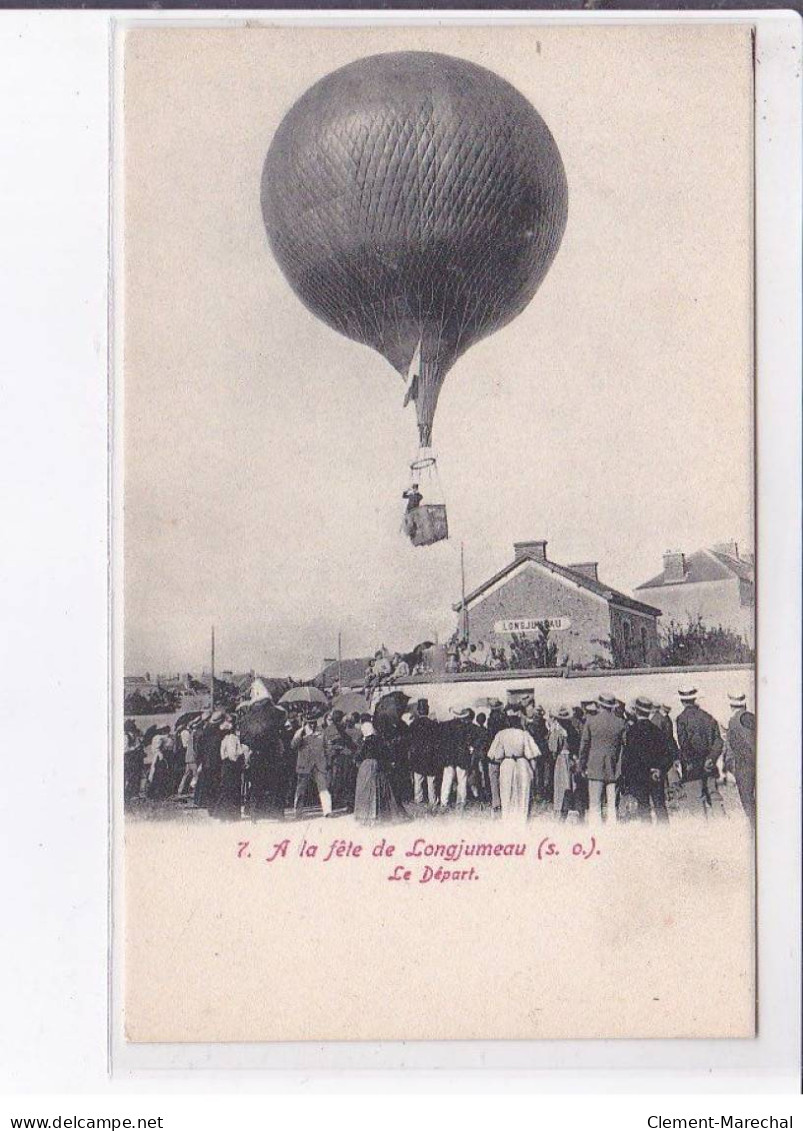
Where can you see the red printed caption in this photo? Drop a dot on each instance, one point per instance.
(424, 861)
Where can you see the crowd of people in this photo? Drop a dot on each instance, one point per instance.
(600, 760)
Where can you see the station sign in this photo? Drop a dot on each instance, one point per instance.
(523, 625)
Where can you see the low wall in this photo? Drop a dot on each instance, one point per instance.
(554, 688)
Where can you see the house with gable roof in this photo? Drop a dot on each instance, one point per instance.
(587, 618)
(716, 584)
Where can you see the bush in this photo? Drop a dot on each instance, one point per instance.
(532, 651)
(699, 643)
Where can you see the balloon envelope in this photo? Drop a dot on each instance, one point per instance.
(413, 199)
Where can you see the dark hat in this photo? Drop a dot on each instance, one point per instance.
(422, 706)
(337, 715)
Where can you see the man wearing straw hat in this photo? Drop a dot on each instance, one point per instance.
(740, 752)
(645, 763)
(700, 745)
(600, 758)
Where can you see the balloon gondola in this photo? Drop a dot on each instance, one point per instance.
(414, 202)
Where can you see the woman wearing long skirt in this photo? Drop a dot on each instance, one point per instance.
(563, 799)
(515, 752)
(232, 761)
(374, 799)
(160, 779)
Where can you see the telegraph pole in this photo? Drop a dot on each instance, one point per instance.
(212, 680)
(464, 610)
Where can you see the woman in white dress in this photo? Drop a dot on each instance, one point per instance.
(515, 751)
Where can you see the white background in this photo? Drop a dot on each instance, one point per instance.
(54, 145)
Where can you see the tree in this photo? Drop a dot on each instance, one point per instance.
(533, 651)
(157, 701)
(227, 695)
(699, 643)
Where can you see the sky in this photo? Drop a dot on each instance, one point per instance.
(265, 455)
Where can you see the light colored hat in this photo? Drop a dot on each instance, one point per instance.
(461, 712)
(643, 706)
(606, 700)
(737, 701)
(688, 695)
(217, 716)
(367, 729)
(563, 712)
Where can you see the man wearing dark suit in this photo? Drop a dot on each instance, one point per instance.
(700, 745)
(600, 758)
(740, 752)
(424, 755)
(645, 763)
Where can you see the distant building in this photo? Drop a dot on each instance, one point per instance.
(588, 620)
(353, 672)
(717, 584)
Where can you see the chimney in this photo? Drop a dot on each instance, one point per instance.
(731, 549)
(533, 550)
(674, 565)
(587, 569)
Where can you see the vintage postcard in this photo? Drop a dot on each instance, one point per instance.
(436, 387)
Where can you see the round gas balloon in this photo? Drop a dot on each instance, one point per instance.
(414, 202)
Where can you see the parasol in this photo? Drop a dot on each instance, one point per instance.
(350, 701)
(185, 719)
(306, 694)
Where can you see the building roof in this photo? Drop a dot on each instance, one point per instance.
(353, 672)
(599, 588)
(705, 565)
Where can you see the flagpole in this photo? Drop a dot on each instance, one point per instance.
(212, 680)
(339, 661)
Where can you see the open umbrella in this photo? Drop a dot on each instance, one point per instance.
(306, 694)
(185, 719)
(350, 701)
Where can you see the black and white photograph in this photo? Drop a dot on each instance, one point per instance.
(439, 553)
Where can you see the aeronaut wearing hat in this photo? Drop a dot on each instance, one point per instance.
(700, 743)
(600, 758)
(646, 761)
(740, 752)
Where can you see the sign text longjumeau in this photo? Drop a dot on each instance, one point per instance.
(531, 624)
